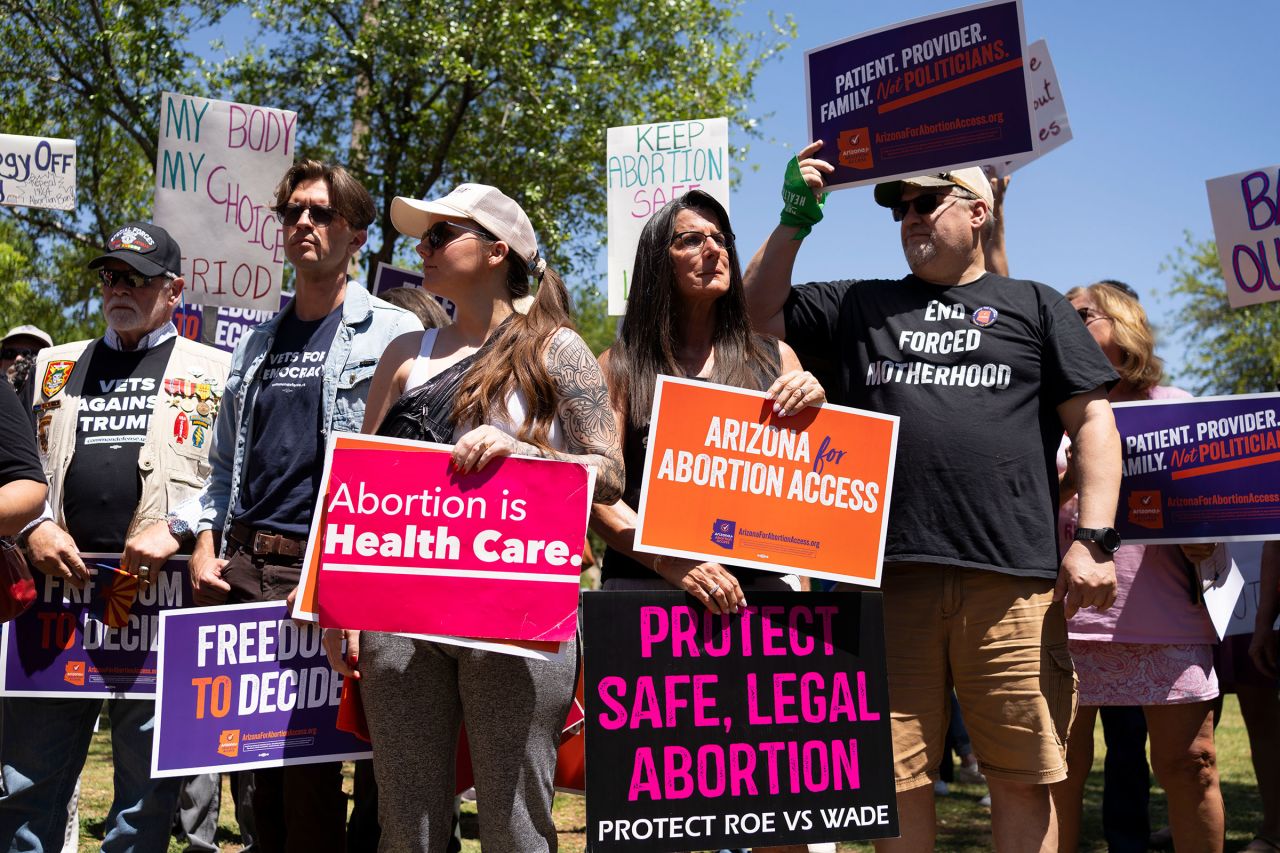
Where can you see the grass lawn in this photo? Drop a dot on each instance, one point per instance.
(964, 825)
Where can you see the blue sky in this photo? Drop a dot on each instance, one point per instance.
(1161, 97)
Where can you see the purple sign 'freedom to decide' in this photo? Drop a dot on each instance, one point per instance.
(243, 687)
(942, 91)
(99, 641)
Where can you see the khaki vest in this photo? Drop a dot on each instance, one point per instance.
(174, 458)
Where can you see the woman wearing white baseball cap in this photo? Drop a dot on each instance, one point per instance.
(498, 381)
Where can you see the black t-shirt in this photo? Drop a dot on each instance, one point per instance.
(18, 458)
(102, 486)
(975, 373)
(286, 453)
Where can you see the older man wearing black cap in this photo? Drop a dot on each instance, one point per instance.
(124, 426)
(985, 372)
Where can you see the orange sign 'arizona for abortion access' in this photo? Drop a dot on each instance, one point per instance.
(727, 481)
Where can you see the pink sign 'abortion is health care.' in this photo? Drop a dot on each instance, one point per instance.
(405, 543)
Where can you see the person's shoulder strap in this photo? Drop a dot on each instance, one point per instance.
(421, 370)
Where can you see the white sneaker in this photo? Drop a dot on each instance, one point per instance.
(985, 801)
(970, 775)
(940, 788)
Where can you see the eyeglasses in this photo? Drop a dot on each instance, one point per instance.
(132, 280)
(1090, 316)
(437, 236)
(921, 204)
(321, 214)
(693, 241)
(13, 353)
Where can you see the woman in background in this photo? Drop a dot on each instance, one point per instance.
(1154, 646)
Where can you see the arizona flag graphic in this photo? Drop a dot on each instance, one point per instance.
(117, 591)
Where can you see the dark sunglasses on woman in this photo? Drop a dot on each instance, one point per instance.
(439, 235)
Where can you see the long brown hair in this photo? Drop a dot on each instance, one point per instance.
(650, 332)
(513, 359)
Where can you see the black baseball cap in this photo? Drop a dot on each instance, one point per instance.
(146, 247)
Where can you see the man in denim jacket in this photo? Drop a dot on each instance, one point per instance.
(294, 380)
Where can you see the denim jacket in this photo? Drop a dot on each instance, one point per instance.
(368, 326)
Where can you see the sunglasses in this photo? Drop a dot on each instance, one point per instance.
(132, 280)
(439, 235)
(13, 353)
(1088, 315)
(693, 241)
(921, 204)
(321, 214)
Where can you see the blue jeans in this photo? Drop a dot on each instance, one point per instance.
(43, 745)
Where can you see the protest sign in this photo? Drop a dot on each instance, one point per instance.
(388, 277)
(98, 641)
(1248, 559)
(1200, 470)
(726, 480)
(650, 165)
(242, 687)
(762, 728)
(942, 91)
(1048, 111)
(1246, 225)
(230, 322)
(217, 167)
(36, 171)
(405, 543)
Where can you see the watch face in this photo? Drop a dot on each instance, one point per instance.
(1110, 539)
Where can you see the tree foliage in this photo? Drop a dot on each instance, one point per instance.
(1229, 350)
(414, 95)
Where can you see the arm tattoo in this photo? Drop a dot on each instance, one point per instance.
(591, 432)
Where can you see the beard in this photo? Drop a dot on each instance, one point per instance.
(919, 252)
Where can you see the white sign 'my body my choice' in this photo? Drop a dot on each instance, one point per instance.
(217, 168)
(649, 165)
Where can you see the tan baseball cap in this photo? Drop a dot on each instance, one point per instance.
(488, 206)
(31, 332)
(972, 179)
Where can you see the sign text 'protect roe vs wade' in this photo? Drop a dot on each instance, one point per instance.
(218, 166)
(649, 166)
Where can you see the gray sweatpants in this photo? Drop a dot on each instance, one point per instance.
(416, 694)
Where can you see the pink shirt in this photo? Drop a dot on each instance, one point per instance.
(1153, 597)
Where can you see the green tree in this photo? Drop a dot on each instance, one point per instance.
(420, 95)
(415, 95)
(93, 72)
(1229, 350)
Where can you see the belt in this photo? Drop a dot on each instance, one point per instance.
(264, 543)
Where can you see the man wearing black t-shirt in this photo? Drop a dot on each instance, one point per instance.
(294, 380)
(124, 426)
(985, 373)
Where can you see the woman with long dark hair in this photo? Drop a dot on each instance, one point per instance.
(687, 316)
(496, 382)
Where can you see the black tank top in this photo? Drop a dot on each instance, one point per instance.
(619, 565)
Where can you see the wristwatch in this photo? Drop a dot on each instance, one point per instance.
(178, 527)
(1106, 537)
